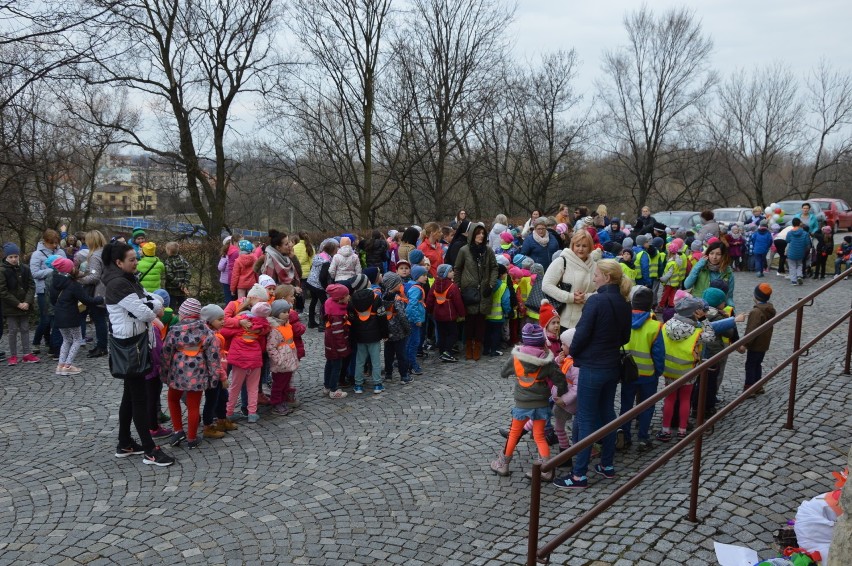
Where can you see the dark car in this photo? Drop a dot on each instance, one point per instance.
(686, 219)
(838, 215)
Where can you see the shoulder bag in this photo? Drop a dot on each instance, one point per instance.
(567, 287)
(129, 357)
(628, 370)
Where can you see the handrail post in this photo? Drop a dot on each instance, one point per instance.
(535, 508)
(696, 449)
(848, 347)
(794, 368)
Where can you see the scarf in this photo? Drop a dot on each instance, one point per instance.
(478, 250)
(543, 241)
(278, 266)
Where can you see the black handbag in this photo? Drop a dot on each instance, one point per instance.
(629, 372)
(471, 296)
(129, 357)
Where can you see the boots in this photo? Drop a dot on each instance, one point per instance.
(468, 349)
(226, 425)
(500, 466)
(211, 431)
(292, 402)
(477, 350)
(546, 476)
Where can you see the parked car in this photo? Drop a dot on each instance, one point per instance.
(793, 207)
(838, 214)
(727, 216)
(686, 219)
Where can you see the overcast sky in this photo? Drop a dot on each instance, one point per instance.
(745, 33)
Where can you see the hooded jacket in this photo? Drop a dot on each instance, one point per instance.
(452, 308)
(151, 271)
(337, 344)
(398, 326)
(16, 287)
(541, 254)
(191, 358)
(494, 240)
(537, 395)
(130, 308)
(657, 348)
(435, 255)
(375, 327)
(761, 241)
(798, 243)
(344, 265)
(65, 292)
(243, 276)
(377, 252)
(480, 275)
(247, 354)
(38, 269)
(760, 313)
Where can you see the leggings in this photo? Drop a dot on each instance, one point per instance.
(317, 296)
(19, 325)
(474, 327)
(132, 408)
(215, 400)
(153, 389)
(683, 397)
(538, 435)
(193, 410)
(72, 339)
(251, 378)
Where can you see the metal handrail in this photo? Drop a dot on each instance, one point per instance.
(534, 554)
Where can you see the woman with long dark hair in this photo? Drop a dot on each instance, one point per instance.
(476, 275)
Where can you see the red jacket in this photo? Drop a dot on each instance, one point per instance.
(434, 255)
(337, 345)
(445, 310)
(243, 275)
(247, 346)
(298, 331)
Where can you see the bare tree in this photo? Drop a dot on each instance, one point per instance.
(650, 86)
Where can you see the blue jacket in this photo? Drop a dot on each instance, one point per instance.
(541, 254)
(658, 348)
(798, 243)
(416, 309)
(604, 327)
(812, 224)
(761, 241)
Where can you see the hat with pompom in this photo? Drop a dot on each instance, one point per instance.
(546, 313)
(532, 335)
(190, 308)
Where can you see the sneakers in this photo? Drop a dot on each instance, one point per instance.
(194, 443)
(570, 482)
(644, 444)
(176, 438)
(253, 418)
(238, 415)
(337, 394)
(800, 281)
(406, 380)
(59, 369)
(379, 388)
(71, 370)
(664, 436)
(504, 432)
(157, 457)
(448, 358)
(212, 431)
(36, 349)
(358, 389)
(160, 432)
(417, 371)
(96, 353)
(31, 359)
(281, 409)
(131, 449)
(13, 360)
(606, 471)
(325, 391)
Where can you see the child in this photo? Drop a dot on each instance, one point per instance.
(565, 405)
(533, 306)
(549, 321)
(501, 306)
(415, 311)
(17, 293)
(177, 274)
(399, 328)
(288, 293)
(337, 346)
(825, 245)
(66, 294)
(649, 352)
(153, 384)
(445, 304)
(243, 275)
(369, 327)
(736, 244)
(643, 261)
(628, 266)
(374, 276)
(150, 268)
(535, 374)
(684, 336)
(756, 348)
(724, 327)
(216, 397)
(673, 274)
(403, 269)
(761, 243)
(345, 264)
(190, 365)
(283, 359)
(248, 342)
(844, 256)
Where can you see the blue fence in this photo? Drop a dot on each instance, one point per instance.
(185, 228)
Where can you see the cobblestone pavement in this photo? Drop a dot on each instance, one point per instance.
(400, 478)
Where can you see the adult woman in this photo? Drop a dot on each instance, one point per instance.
(48, 246)
(603, 215)
(460, 217)
(709, 227)
(563, 215)
(601, 332)
(376, 250)
(279, 263)
(409, 242)
(645, 223)
(318, 279)
(574, 268)
(541, 244)
(716, 264)
(476, 275)
(499, 226)
(529, 224)
(96, 241)
(809, 221)
(131, 312)
(459, 241)
(303, 251)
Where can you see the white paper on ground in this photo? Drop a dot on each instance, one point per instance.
(731, 555)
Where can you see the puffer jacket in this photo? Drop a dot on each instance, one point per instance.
(151, 271)
(680, 328)
(761, 241)
(130, 308)
(64, 294)
(452, 308)
(398, 326)
(247, 353)
(298, 332)
(317, 263)
(301, 253)
(494, 240)
(375, 328)
(435, 255)
(191, 358)
(16, 287)
(277, 355)
(243, 276)
(377, 252)
(337, 344)
(798, 244)
(344, 265)
(38, 269)
(537, 395)
(569, 269)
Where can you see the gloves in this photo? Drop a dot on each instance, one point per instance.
(487, 290)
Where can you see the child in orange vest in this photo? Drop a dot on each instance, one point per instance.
(216, 398)
(283, 357)
(288, 293)
(245, 356)
(445, 304)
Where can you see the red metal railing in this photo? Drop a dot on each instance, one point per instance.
(536, 554)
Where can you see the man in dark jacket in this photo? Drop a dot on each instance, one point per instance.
(369, 328)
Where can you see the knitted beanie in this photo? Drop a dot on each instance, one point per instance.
(501, 260)
(546, 313)
(209, 313)
(261, 309)
(336, 291)
(641, 240)
(561, 228)
(720, 284)
(372, 273)
(149, 249)
(10, 248)
(714, 297)
(507, 237)
(391, 282)
(568, 336)
(417, 271)
(763, 292)
(681, 294)
(642, 298)
(658, 243)
(627, 242)
(63, 265)
(696, 246)
(688, 305)
(359, 282)
(257, 292)
(50, 259)
(518, 260)
(532, 335)
(415, 257)
(190, 308)
(675, 246)
(164, 295)
(266, 281)
(136, 233)
(278, 307)
(444, 270)
(246, 247)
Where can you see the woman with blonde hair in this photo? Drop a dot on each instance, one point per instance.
(603, 215)
(91, 281)
(602, 330)
(569, 278)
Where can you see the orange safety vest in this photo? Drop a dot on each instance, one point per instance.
(189, 351)
(441, 298)
(422, 293)
(364, 316)
(287, 334)
(567, 364)
(526, 379)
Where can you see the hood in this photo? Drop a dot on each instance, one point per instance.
(767, 308)
(60, 282)
(363, 299)
(498, 229)
(193, 332)
(345, 251)
(639, 319)
(41, 247)
(442, 284)
(572, 258)
(112, 272)
(532, 360)
(678, 329)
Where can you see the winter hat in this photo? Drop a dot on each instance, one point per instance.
(641, 239)
(642, 298)
(348, 235)
(359, 282)
(266, 281)
(518, 260)
(10, 248)
(261, 309)
(847, 239)
(417, 271)
(50, 259)
(678, 245)
(588, 221)
(614, 221)
(720, 284)
(532, 335)
(775, 227)
(658, 243)
(507, 237)
(392, 233)
(403, 261)
(537, 269)
(714, 297)
(711, 241)
(688, 305)
(190, 308)
(627, 242)
(279, 307)
(63, 265)
(345, 241)
(415, 257)
(136, 233)
(149, 249)
(546, 313)
(555, 255)
(501, 260)
(764, 224)
(392, 281)
(681, 294)
(225, 242)
(257, 292)
(568, 336)
(337, 291)
(763, 292)
(164, 295)
(209, 313)
(515, 273)
(696, 246)
(372, 273)
(826, 229)
(444, 270)
(246, 247)
(561, 228)
(527, 263)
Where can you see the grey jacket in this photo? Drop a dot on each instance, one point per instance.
(92, 278)
(38, 268)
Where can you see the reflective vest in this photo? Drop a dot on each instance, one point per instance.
(422, 298)
(441, 298)
(223, 352)
(364, 316)
(630, 272)
(526, 379)
(497, 302)
(567, 364)
(286, 331)
(681, 356)
(653, 265)
(729, 312)
(524, 287)
(189, 350)
(678, 273)
(641, 341)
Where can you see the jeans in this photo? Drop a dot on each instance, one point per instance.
(795, 268)
(332, 374)
(628, 396)
(759, 263)
(413, 344)
(373, 352)
(493, 333)
(215, 400)
(396, 349)
(595, 408)
(753, 367)
(99, 319)
(226, 292)
(133, 408)
(43, 328)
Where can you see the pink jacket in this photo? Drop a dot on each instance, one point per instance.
(243, 276)
(247, 347)
(570, 396)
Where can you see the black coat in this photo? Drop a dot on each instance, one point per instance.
(603, 328)
(375, 327)
(65, 293)
(377, 253)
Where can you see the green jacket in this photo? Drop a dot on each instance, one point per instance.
(151, 271)
(483, 276)
(537, 395)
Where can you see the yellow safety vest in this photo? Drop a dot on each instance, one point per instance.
(681, 356)
(630, 272)
(679, 273)
(653, 265)
(641, 341)
(729, 311)
(497, 302)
